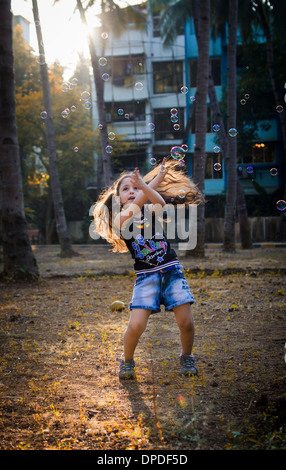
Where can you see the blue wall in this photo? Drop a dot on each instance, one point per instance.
(218, 48)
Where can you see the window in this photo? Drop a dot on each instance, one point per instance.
(165, 128)
(121, 68)
(135, 158)
(259, 152)
(167, 76)
(216, 71)
(125, 111)
(156, 26)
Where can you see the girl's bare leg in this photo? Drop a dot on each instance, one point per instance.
(137, 325)
(184, 319)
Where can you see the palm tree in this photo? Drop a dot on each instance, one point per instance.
(198, 164)
(173, 17)
(61, 224)
(19, 261)
(245, 232)
(271, 18)
(244, 225)
(231, 164)
(99, 87)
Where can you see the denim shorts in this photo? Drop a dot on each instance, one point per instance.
(168, 288)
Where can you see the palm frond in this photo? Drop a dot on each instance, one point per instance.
(116, 18)
(173, 19)
(156, 6)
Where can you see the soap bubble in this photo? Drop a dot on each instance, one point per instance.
(216, 127)
(41, 60)
(44, 114)
(246, 96)
(65, 113)
(176, 127)
(216, 149)
(87, 105)
(174, 118)
(73, 108)
(65, 86)
(233, 132)
(85, 95)
(151, 126)
(250, 169)
(105, 77)
(184, 147)
(111, 135)
(102, 61)
(279, 108)
(243, 101)
(74, 82)
(281, 205)
(153, 160)
(184, 90)
(120, 112)
(100, 127)
(104, 35)
(126, 116)
(273, 172)
(192, 98)
(109, 149)
(181, 193)
(174, 111)
(139, 86)
(75, 149)
(217, 166)
(177, 152)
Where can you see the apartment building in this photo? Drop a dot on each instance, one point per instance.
(262, 160)
(149, 93)
(144, 93)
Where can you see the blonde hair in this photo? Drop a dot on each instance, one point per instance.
(176, 188)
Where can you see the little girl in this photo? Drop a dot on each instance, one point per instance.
(160, 279)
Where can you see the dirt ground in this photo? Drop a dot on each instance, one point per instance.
(59, 386)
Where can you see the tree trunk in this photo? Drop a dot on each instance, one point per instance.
(278, 95)
(231, 165)
(61, 224)
(198, 164)
(19, 261)
(245, 235)
(49, 219)
(244, 224)
(99, 87)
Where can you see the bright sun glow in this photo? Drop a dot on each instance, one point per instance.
(64, 35)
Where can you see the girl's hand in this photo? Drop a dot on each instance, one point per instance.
(163, 170)
(137, 179)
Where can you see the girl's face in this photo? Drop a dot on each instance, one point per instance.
(127, 191)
